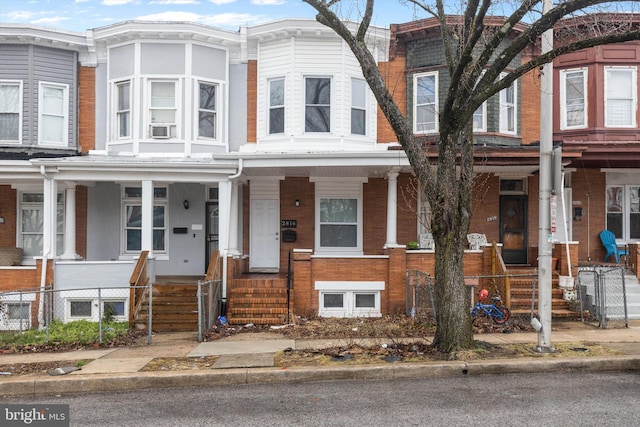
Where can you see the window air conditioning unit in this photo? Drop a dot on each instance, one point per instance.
(160, 131)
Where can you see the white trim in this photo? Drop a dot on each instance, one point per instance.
(502, 117)
(633, 92)
(436, 102)
(563, 98)
(20, 111)
(334, 285)
(65, 113)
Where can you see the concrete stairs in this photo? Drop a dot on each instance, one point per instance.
(522, 281)
(260, 299)
(174, 306)
(614, 297)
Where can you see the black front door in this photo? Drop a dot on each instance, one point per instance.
(513, 228)
(212, 229)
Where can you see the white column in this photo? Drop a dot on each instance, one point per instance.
(234, 248)
(392, 209)
(50, 213)
(70, 223)
(224, 208)
(147, 217)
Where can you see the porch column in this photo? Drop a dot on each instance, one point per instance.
(70, 223)
(147, 217)
(392, 209)
(234, 248)
(50, 213)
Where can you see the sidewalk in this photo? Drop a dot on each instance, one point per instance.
(249, 358)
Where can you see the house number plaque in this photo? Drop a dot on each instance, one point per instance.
(289, 223)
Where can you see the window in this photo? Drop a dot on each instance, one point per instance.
(480, 118)
(115, 308)
(276, 106)
(620, 97)
(162, 110)
(338, 223)
(349, 299)
(17, 315)
(508, 100)
(32, 222)
(623, 211)
(132, 211)
(53, 106)
(10, 111)
(207, 111)
(123, 109)
(358, 107)
(425, 103)
(80, 309)
(317, 104)
(573, 98)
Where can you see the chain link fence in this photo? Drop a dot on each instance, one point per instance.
(209, 305)
(419, 296)
(38, 308)
(602, 293)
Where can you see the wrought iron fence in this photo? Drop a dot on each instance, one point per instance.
(602, 293)
(209, 304)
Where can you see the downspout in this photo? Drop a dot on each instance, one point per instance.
(43, 273)
(224, 255)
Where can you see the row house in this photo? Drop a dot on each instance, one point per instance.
(266, 146)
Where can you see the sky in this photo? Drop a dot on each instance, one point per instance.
(81, 15)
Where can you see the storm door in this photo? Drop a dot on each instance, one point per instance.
(513, 228)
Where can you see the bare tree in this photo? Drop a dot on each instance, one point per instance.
(479, 49)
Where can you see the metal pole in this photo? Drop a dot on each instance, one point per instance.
(150, 311)
(544, 230)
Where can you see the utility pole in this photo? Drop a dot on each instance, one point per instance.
(543, 326)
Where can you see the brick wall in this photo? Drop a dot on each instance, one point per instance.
(292, 189)
(394, 77)
(86, 109)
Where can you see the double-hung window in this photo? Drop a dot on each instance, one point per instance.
(573, 99)
(276, 106)
(508, 108)
(623, 211)
(425, 102)
(339, 216)
(620, 96)
(53, 107)
(358, 107)
(31, 225)
(10, 111)
(123, 109)
(162, 109)
(207, 110)
(317, 95)
(132, 211)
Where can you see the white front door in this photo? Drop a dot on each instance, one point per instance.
(265, 240)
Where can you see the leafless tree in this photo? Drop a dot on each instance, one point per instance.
(480, 47)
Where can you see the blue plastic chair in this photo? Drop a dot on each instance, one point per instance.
(609, 242)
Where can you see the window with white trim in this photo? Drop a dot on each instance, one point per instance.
(349, 299)
(508, 108)
(123, 109)
(162, 108)
(276, 106)
(620, 96)
(10, 111)
(623, 211)
(17, 316)
(317, 95)
(80, 309)
(338, 222)
(207, 110)
(31, 223)
(132, 219)
(425, 102)
(480, 115)
(573, 99)
(358, 107)
(116, 308)
(53, 117)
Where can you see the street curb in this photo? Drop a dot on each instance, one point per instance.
(206, 378)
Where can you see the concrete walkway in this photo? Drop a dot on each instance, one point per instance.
(249, 358)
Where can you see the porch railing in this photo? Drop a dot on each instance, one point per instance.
(214, 271)
(138, 282)
(500, 281)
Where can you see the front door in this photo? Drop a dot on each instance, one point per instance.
(264, 252)
(513, 228)
(212, 230)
